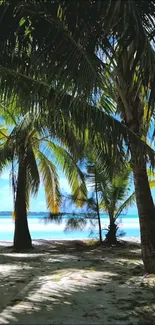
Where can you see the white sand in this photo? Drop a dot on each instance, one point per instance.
(131, 239)
(67, 282)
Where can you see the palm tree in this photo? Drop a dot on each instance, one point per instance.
(110, 194)
(129, 95)
(114, 199)
(113, 196)
(71, 67)
(33, 157)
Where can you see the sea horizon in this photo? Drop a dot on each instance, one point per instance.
(43, 213)
(32, 212)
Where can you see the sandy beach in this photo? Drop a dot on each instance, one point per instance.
(69, 282)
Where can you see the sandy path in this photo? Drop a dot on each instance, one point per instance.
(67, 283)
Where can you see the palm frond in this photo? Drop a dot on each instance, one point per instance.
(73, 173)
(112, 190)
(50, 181)
(114, 134)
(128, 202)
(56, 53)
(3, 134)
(6, 154)
(150, 173)
(33, 179)
(152, 183)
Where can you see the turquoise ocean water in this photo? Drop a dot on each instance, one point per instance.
(129, 224)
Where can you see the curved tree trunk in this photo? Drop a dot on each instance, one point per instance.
(131, 105)
(22, 238)
(146, 211)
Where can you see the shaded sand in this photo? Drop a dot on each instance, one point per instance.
(70, 283)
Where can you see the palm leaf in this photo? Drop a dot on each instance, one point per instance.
(131, 199)
(68, 59)
(128, 202)
(33, 179)
(6, 154)
(50, 181)
(73, 173)
(114, 133)
(152, 183)
(3, 134)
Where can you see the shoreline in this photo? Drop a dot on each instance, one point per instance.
(42, 241)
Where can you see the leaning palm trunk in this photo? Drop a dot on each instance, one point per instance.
(22, 238)
(146, 211)
(131, 106)
(145, 204)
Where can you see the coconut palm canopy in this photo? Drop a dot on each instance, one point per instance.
(58, 66)
(112, 191)
(41, 155)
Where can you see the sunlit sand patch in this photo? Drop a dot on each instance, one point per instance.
(95, 286)
(8, 269)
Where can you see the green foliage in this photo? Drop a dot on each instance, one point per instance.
(55, 217)
(22, 21)
(75, 223)
(63, 70)
(71, 170)
(50, 181)
(25, 144)
(112, 191)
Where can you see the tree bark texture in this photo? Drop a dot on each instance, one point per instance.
(22, 238)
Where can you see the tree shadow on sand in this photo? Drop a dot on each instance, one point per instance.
(71, 283)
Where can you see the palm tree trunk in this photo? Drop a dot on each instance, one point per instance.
(146, 210)
(111, 238)
(98, 210)
(22, 238)
(132, 107)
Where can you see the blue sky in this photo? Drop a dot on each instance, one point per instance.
(37, 204)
